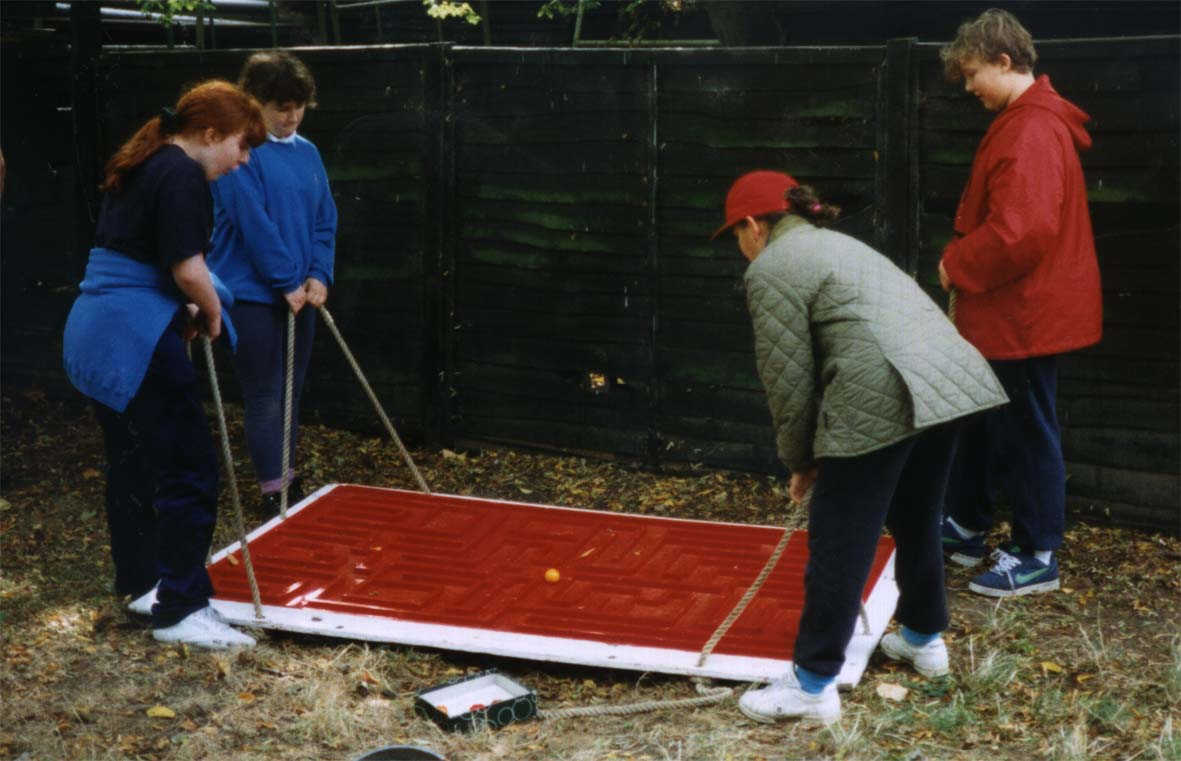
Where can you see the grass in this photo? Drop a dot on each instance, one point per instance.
(1091, 672)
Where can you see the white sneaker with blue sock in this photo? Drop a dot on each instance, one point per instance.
(926, 652)
(786, 698)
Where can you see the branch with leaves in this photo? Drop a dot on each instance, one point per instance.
(447, 9)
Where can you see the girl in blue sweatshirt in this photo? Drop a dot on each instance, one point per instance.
(273, 245)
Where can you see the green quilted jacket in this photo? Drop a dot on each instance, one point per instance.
(853, 354)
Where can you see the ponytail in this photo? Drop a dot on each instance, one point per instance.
(803, 200)
(214, 104)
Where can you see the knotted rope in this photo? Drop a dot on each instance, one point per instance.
(234, 496)
(751, 591)
(756, 585)
(707, 696)
(373, 398)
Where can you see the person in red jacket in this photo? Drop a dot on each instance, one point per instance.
(1023, 271)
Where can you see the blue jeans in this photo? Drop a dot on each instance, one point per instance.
(900, 487)
(1015, 450)
(162, 486)
(261, 365)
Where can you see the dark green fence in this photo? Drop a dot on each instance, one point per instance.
(523, 253)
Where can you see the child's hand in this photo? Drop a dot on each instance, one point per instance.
(212, 325)
(944, 280)
(316, 291)
(296, 299)
(801, 483)
(190, 328)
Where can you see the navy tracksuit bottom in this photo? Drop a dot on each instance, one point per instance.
(162, 486)
(261, 366)
(1016, 450)
(900, 487)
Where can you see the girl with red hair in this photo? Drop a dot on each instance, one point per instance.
(145, 293)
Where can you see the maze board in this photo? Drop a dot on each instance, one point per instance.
(461, 573)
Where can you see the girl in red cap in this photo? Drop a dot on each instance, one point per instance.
(865, 377)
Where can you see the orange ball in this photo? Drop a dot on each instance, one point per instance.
(552, 575)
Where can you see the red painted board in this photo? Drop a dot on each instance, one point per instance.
(462, 561)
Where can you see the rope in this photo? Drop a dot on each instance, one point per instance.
(288, 392)
(235, 498)
(373, 398)
(754, 588)
(749, 595)
(951, 299)
(707, 696)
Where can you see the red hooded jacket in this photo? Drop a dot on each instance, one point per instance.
(1023, 260)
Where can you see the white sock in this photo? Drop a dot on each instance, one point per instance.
(963, 532)
(1043, 556)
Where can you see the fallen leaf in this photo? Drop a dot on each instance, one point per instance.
(161, 712)
(90, 473)
(1048, 666)
(891, 691)
(246, 697)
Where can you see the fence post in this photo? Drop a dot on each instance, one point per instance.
(652, 178)
(897, 167)
(438, 246)
(85, 48)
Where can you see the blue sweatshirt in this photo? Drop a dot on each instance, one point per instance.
(274, 222)
(116, 322)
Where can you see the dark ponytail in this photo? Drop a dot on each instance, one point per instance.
(804, 200)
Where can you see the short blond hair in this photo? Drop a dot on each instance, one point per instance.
(986, 37)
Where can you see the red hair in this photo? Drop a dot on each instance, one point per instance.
(214, 104)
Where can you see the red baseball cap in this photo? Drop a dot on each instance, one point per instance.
(755, 194)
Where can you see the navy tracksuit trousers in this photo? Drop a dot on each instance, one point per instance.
(261, 365)
(162, 486)
(900, 487)
(1015, 449)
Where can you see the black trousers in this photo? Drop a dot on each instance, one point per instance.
(162, 486)
(900, 487)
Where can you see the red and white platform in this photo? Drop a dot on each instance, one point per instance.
(462, 573)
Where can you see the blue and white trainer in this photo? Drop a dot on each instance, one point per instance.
(1016, 574)
(967, 551)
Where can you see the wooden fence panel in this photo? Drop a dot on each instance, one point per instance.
(809, 112)
(42, 266)
(550, 311)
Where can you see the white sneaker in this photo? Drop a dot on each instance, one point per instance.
(143, 604)
(204, 628)
(784, 698)
(930, 660)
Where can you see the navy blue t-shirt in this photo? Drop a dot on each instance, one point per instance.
(163, 214)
